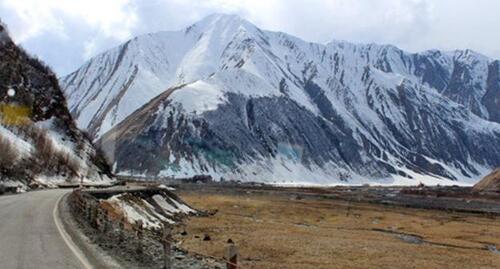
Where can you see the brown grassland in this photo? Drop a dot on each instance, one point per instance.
(276, 231)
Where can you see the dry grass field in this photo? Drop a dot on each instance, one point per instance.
(275, 231)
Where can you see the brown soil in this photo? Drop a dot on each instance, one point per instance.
(277, 231)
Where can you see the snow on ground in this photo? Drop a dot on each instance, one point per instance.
(61, 145)
(199, 97)
(55, 181)
(134, 212)
(163, 207)
(281, 171)
(286, 170)
(21, 145)
(171, 205)
(428, 180)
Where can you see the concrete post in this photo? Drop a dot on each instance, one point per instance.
(105, 221)
(121, 229)
(88, 212)
(167, 239)
(140, 234)
(94, 217)
(232, 256)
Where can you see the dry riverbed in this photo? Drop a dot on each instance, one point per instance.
(277, 230)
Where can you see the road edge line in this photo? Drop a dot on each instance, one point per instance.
(67, 239)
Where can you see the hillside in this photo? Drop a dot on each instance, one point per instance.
(225, 98)
(490, 183)
(39, 140)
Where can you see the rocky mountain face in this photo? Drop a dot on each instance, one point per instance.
(225, 98)
(39, 141)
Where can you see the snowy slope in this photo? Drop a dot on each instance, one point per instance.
(114, 84)
(153, 210)
(226, 98)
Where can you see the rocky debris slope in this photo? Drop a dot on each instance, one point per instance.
(127, 223)
(225, 98)
(39, 141)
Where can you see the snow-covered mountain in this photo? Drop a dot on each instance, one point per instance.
(226, 98)
(40, 144)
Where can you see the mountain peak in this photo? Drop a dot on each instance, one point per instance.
(223, 16)
(221, 21)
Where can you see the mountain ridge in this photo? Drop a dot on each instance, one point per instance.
(374, 98)
(160, 78)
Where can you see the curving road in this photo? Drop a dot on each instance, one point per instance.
(29, 235)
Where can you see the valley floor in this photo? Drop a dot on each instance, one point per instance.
(279, 229)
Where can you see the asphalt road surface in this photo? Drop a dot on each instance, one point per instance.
(29, 235)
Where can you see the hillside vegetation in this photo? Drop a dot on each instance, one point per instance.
(39, 141)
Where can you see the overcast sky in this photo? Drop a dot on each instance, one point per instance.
(65, 33)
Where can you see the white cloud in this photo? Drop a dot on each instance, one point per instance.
(65, 32)
(112, 18)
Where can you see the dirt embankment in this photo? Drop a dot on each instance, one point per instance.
(128, 224)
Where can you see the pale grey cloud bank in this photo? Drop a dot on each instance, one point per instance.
(65, 33)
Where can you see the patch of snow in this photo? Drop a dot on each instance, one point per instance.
(22, 146)
(134, 213)
(199, 97)
(183, 208)
(166, 187)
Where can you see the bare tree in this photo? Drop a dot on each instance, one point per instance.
(8, 156)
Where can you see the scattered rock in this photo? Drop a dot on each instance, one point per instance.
(212, 212)
(180, 257)
(493, 249)
(206, 237)
(411, 239)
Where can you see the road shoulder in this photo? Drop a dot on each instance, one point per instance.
(90, 253)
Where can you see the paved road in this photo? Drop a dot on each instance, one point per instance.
(29, 237)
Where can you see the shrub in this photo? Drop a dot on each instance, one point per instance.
(8, 154)
(48, 158)
(8, 158)
(74, 166)
(99, 158)
(43, 144)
